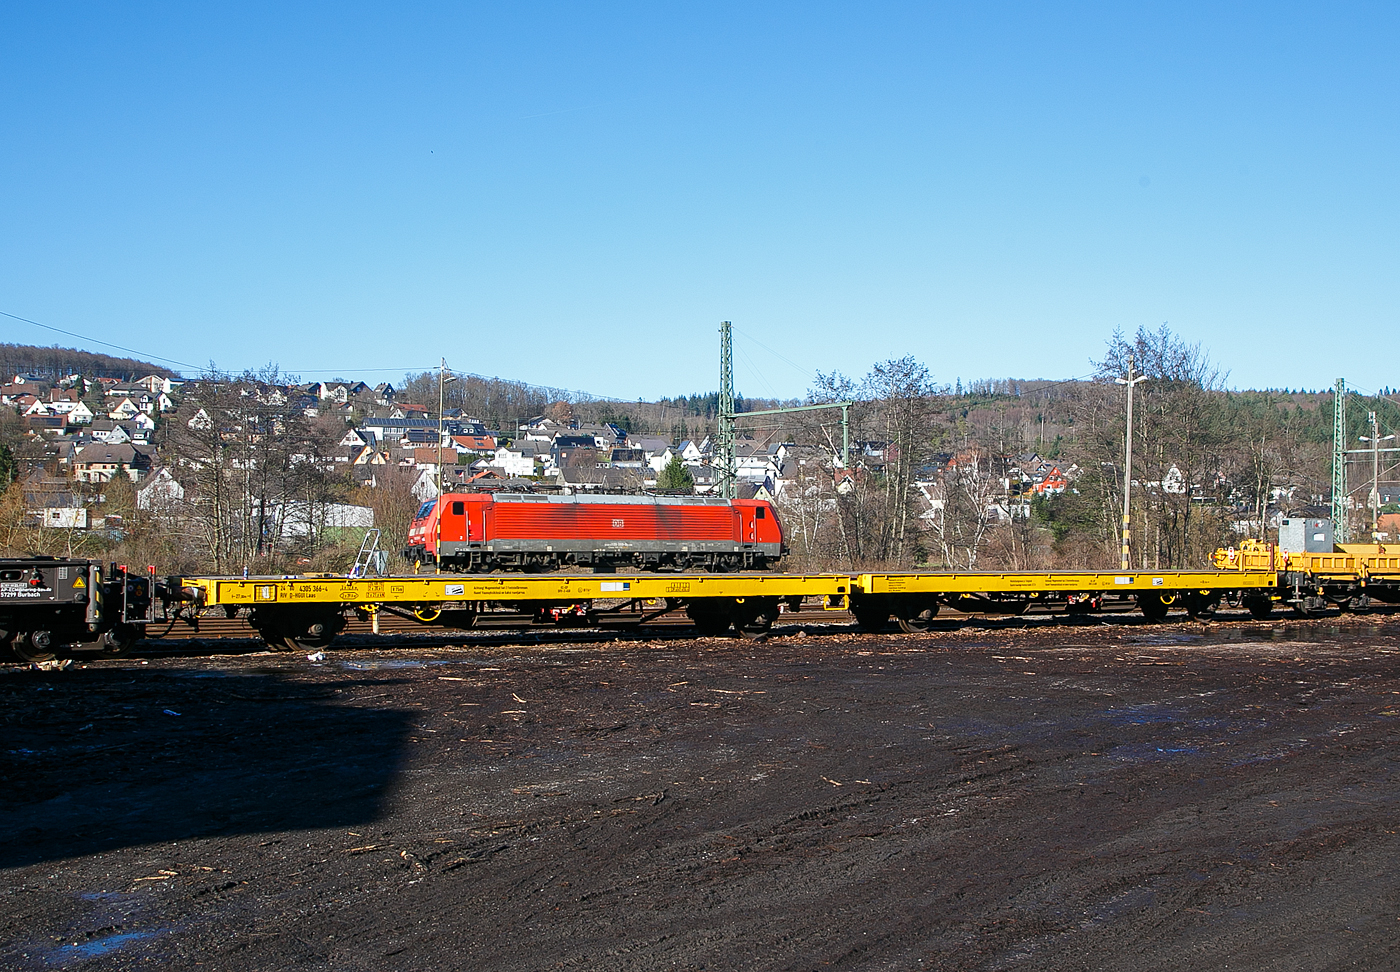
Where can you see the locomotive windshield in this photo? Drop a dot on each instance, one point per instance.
(424, 510)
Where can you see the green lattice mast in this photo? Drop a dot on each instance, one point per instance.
(725, 450)
(1339, 462)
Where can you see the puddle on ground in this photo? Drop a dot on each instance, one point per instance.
(1149, 753)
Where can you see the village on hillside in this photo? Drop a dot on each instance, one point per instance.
(80, 433)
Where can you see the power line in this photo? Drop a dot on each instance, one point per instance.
(105, 344)
(775, 353)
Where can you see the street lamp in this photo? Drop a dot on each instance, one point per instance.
(1375, 438)
(1131, 382)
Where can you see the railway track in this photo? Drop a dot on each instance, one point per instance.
(503, 627)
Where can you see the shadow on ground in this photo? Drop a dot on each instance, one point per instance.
(102, 758)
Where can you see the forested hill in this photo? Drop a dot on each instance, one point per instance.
(56, 362)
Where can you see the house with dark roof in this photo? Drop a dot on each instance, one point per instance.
(99, 462)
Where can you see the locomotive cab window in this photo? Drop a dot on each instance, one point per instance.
(457, 508)
(762, 513)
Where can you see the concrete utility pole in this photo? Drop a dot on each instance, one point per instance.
(1131, 382)
(1375, 438)
(1339, 462)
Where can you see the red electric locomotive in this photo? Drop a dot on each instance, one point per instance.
(522, 531)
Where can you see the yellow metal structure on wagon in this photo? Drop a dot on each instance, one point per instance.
(1349, 560)
(1033, 582)
(553, 588)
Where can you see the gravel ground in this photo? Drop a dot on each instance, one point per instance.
(1029, 796)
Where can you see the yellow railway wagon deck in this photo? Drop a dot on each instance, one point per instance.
(302, 612)
(555, 588)
(1032, 582)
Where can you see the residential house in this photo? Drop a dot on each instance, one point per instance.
(124, 409)
(161, 490)
(80, 414)
(541, 429)
(425, 487)
(573, 457)
(519, 459)
(387, 429)
(604, 436)
(108, 431)
(651, 445)
(621, 458)
(426, 457)
(370, 456)
(335, 391)
(357, 440)
(660, 460)
(62, 517)
(157, 385)
(19, 388)
(592, 479)
(479, 444)
(44, 491)
(99, 462)
(46, 424)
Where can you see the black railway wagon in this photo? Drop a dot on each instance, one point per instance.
(48, 605)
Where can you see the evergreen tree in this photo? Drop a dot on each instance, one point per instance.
(675, 476)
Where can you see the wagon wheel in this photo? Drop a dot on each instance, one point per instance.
(757, 619)
(871, 617)
(119, 640)
(916, 617)
(1153, 606)
(1202, 607)
(1260, 607)
(298, 630)
(313, 632)
(710, 620)
(34, 646)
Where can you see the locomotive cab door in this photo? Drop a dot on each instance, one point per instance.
(745, 530)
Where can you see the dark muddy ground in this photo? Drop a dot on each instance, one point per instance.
(1116, 796)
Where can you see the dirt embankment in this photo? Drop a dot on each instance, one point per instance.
(1128, 797)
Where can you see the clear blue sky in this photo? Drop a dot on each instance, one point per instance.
(576, 194)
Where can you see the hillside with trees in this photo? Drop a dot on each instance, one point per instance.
(991, 474)
(55, 362)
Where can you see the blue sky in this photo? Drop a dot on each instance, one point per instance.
(576, 194)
